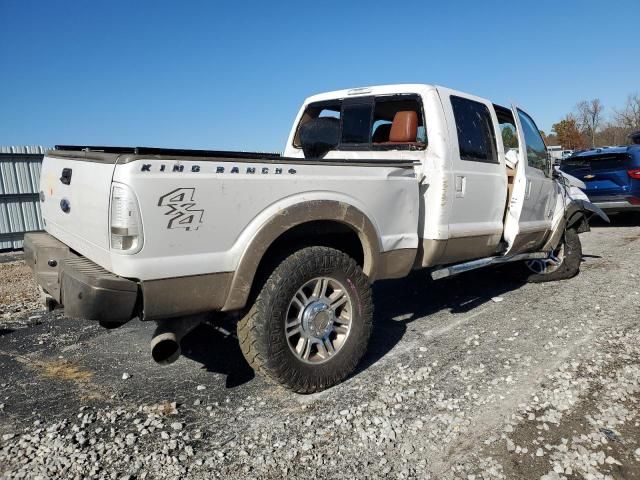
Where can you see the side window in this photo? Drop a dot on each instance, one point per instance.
(536, 149)
(476, 135)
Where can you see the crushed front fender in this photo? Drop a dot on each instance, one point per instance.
(576, 215)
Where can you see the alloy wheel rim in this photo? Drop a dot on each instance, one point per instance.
(318, 320)
(547, 265)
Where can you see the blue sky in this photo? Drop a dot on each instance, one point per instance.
(205, 74)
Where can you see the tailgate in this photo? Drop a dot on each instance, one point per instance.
(604, 174)
(76, 202)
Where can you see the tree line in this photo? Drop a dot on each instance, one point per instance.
(589, 125)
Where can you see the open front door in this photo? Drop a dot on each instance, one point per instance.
(530, 209)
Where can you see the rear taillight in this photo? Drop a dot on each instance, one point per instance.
(126, 225)
(635, 173)
(633, 200)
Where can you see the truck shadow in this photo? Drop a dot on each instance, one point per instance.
(217, 348)
(398, 303)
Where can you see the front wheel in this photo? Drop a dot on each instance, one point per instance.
(310, 324)
(563, 263)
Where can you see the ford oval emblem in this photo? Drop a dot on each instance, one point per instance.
(65, 206)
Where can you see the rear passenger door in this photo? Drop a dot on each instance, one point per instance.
(479, 181)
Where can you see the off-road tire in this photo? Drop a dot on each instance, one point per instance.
(570, 266)
(262, 334)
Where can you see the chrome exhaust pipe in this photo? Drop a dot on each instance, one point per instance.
(165, 343)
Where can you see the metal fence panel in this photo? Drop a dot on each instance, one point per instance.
(19, 200)
(24, 149)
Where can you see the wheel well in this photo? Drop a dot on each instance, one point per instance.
(324, 233)
(579, 221)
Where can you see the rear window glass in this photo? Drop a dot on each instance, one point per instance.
(329, 113)
(476, 135)
(355, 123)
(366, 123)
(329, 109)
(395, 108)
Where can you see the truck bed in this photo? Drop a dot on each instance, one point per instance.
(225, 155)
(170, 151)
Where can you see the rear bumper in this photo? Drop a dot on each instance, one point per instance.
(85, 289)
(615, 204)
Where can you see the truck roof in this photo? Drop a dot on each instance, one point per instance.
(371, 90)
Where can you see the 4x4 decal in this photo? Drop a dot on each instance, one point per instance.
(181, 209)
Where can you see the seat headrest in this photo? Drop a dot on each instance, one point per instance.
(404, 128)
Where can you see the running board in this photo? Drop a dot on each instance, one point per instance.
(484, 262)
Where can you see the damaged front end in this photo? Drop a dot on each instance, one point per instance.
(575, 212)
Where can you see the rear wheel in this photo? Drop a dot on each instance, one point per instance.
(310, 324)
(562, 263)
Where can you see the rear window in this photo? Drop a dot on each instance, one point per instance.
(367, 123)
(355, 123)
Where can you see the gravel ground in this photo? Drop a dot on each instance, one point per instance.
(474, 377)
(18, 293)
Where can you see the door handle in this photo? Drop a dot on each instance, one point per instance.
(461, 186)
(528, 191)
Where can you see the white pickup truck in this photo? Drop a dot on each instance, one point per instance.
(373, 183)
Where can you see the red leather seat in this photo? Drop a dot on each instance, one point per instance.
(404, 128)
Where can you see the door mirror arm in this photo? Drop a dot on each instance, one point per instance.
(551, 171)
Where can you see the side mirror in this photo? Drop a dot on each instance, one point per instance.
(319, 136)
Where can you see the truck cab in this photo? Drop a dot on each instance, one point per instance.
(476, 198)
